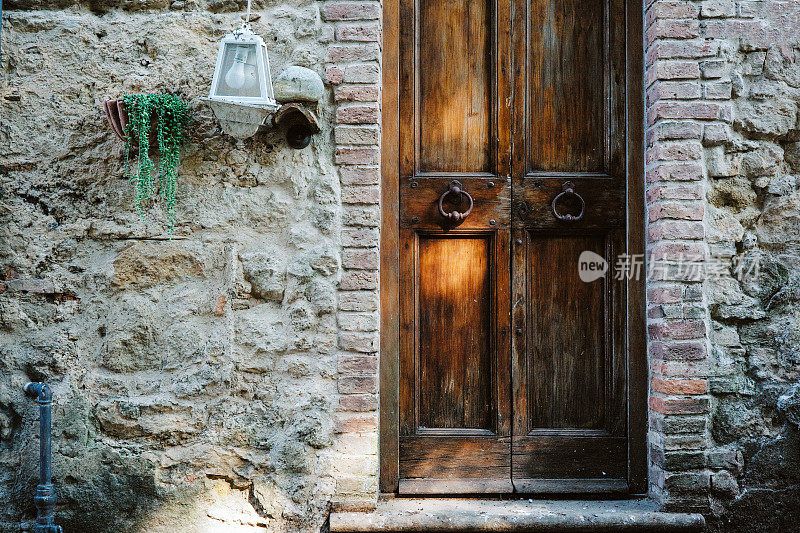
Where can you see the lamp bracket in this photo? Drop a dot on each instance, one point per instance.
(242, 121)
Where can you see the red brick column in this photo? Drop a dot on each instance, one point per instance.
(353, 68)
(686, 104)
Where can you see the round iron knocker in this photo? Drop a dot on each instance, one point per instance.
(568, 190)
(455, 188)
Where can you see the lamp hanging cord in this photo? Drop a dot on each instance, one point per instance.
(247, 17)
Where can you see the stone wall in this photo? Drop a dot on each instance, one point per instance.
(224, 377)
(722, 169)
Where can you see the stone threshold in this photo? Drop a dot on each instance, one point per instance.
(464, 514)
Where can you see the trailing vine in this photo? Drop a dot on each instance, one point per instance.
(167, 117)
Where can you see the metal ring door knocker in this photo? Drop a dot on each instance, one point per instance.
(455, 188)
(568, 190)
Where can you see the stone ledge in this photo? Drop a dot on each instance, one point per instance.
(450, 515)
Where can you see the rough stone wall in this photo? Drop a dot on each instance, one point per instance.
(223, 378)
(722, 153)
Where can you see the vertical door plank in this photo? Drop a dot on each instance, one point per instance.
(501, 311)
(408, 326)
(390, 254)
(636, 308)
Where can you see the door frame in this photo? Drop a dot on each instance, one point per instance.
(390, 251)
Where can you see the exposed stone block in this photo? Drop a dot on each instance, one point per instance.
(357, 156)
(361, 258)
(358, 403)
(361, 195)
(148, 263)
(265, 270)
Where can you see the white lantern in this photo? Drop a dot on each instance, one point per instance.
(242, 74)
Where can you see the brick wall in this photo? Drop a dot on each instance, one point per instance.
(681, 105)
(713, 149)
(353, 68)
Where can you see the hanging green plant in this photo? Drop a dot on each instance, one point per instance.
(160, 118)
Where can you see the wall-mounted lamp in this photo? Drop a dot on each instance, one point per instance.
(242, 74)
(241, 90)
(242, 96)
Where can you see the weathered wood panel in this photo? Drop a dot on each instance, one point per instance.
(420, 203)
(448, 457)
(454, 75)
(567, 327)
(454, 346)
(567, 455)
(390, 253)
(567, 127)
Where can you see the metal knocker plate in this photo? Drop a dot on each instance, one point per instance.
(568, 189)
(458, 189)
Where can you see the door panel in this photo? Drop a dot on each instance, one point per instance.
(454, 351)
(566, 89)
(454, 86)
(566, 334)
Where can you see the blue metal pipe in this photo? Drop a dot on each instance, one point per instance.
(45, 499)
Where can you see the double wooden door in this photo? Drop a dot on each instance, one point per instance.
(513, 371)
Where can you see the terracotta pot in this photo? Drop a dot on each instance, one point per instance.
(118, 120)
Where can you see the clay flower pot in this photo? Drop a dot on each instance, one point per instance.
(118, 120)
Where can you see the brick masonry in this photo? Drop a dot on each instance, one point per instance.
(676, 115)
(353, 68)
(262, 344)
(706, 67)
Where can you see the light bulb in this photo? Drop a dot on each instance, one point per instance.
(237, 76)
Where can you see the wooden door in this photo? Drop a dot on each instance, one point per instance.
(455, 342)
(569, 196)
(513, 374)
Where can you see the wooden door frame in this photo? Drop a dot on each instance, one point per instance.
(390, 251)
